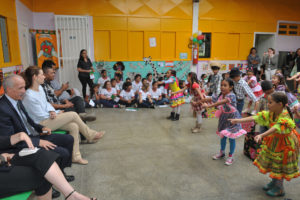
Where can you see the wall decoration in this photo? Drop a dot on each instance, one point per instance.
(143, 67)
(46, 46)
(169, 64)
(226, 65)
(240, 66)
(231, 66)
(4, 72)
(223, 67)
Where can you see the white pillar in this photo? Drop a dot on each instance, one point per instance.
(195, 27)
(195, 16)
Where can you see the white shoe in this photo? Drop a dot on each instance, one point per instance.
(245, 111)
(229, 161)
(253, 112)
(218, 156)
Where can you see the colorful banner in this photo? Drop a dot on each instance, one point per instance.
(46, 47)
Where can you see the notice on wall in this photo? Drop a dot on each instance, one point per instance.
(152, 42)
(183, 55)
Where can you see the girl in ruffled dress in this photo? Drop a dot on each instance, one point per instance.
(280, 143)
(226, 104)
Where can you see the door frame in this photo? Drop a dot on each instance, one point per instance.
(264, 33)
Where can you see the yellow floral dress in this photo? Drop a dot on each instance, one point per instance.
(279, 151)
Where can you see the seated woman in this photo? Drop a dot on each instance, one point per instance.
(108, 96)
(36, 171)
(103, 78)
(127, 95)
(119, 79)
(145, 100)
(43, 113)
(156, 95)
(115, 86)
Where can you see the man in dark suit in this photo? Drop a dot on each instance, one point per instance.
(15, 119)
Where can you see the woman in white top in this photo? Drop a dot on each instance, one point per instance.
(42, 112)
(119, 81)
(103, 78)
(145, 100)
(137, 84)
(108, 96)
(115, 86)
(127, 95)
(149, 79)
(156, 95)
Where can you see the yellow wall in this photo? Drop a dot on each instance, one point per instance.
(122, 28)
(233, 23)
(8, 10)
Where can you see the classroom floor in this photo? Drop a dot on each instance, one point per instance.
(144, 156)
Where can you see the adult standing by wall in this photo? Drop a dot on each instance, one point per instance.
(270, 60)
(253, 60)
(296, 65)
(85, 67)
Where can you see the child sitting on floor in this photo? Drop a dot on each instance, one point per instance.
(107, 96)
(127, 95)
(157, 95)
(145, 100)
(103, 78)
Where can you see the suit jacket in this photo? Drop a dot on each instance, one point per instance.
(11, 122)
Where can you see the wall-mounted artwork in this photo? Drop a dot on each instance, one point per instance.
(46, 47)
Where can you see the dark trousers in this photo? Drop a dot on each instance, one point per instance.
(79, 105)
(127, 104)
(163, 101)
(27, 174)
(240, 105)
(64, 148)
(107, 103)
(84, 81)
(145, 104)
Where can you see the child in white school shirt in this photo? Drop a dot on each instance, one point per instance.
(127, 96)
(156, 95)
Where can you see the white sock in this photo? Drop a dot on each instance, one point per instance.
(178, 110)
(199, 117)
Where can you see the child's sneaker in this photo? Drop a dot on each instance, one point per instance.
(218, 156)
(229, 161)
(253, 112)
(245, 110)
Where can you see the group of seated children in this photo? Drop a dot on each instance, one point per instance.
(142, 93)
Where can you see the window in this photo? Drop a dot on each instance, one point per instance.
(4, 39)
(204, 49)
(289, 29)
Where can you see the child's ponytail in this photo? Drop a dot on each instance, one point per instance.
(290, 112)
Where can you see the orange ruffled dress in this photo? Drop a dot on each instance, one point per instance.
(279, 151)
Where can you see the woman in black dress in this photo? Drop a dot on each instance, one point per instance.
(85, 67)
(36, 171)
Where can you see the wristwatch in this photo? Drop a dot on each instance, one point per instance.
(2, 161)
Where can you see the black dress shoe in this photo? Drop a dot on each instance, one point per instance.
(69, 178)
(55, 193)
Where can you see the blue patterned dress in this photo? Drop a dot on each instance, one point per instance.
(225, 112)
